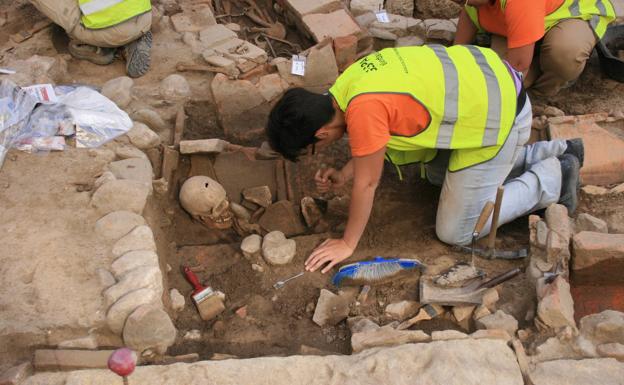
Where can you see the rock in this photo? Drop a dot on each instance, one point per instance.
(194, 18)
(277, 250)
(604, 327)
(120, 195)
(400, 7)
(251, 246)
(553, 111)
(233, 27)
(105, 277)
(282, 216)
(385, 336)
(334, 24)
(555, 349)
(402, 310)
(106, 176)
(152, 119)
(258, 268)
(240, 212)
(440, 29)
(304, 7)
(119, 312)
(361, 324)
(594, 190)
(330, 309)
(215, 35)
(177, 300)
(578, 372)
(445, 335)
(320, 73)
(491, 334)
(591, 248)
(133, 259)
(193, 335)
(558, 221)
(140, 238)
(234, 97)
(613, 350)
(480, 312)
(260, 195)
(541, 234)
(128, 152)
(117, 224)
(142, 137)
(202, 146)
(463, 312)
(311, 212)
(137, 278)
(490, 298)
(587, 222)
(134, 169)
(219, 61)
(149, 327)
(88, 342)
(557, 248)
(556, 307)
(119, 90)
(175, 87)
(271, 86)
(345, 50)
(409, 41)
(359, 7)
(498, 320)
(246, 55)
(16, 374)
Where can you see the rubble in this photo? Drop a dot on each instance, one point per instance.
(251, 246)
(277, 250)
(177, 300)
(463, 312)
(140, 238)
(330, 308)
(330, 25)
(119, 90)
(143, 137)
(149, 327)
(402, 310)
(556, 307)
(120, 195)
(499, 320)
(117, 224)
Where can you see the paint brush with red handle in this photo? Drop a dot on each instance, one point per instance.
(209, 303)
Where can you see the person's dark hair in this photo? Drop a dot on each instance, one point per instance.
(295, 119)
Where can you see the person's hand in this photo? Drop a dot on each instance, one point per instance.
(332, 251)
(327, 179)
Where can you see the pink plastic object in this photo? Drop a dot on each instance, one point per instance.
(123, 361)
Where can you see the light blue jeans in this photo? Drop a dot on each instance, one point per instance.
(531, 175)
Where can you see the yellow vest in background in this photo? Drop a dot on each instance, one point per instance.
(97, 14)
(467, 90)
(599, 13)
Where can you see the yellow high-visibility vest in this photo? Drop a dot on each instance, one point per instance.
(97, 14)
(599, 13)
(467, 90)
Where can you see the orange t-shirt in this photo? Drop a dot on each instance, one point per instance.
(523, 20)
(372, 118)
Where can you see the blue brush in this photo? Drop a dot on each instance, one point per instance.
(377, 271)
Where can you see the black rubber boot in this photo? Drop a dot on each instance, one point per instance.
(576, 148)
(137, 55)
(570, 182)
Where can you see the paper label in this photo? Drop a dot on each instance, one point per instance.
(382, 16)
(298, 65)
(43, 93)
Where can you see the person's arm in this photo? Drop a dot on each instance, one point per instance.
(367, 172)
(520, 58)
(466, 30)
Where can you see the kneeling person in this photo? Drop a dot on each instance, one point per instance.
(460, 111)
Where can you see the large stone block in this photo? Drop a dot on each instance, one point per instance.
(598, 258)
(606, 371)
(335, 24)
(303, 7)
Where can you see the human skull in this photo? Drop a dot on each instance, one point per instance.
(206, 201)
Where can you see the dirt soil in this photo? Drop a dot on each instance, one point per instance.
(276, 322)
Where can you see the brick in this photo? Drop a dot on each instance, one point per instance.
(345, 50)
(202, 146)
(332, 25)
(65, 360)
(305, 7)
(604, 151)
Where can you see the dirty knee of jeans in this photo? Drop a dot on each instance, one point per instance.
(451, 234)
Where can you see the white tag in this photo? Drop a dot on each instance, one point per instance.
(298, 65)
(43, 93)
(7, 71)
(382, 16)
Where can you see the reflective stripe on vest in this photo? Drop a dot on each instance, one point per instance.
(467, 90)
(599, 13)
(97, 14)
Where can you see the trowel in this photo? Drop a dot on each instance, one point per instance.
(471, 293)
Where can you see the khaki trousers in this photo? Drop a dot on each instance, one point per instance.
(66, 14)
(561, 56)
